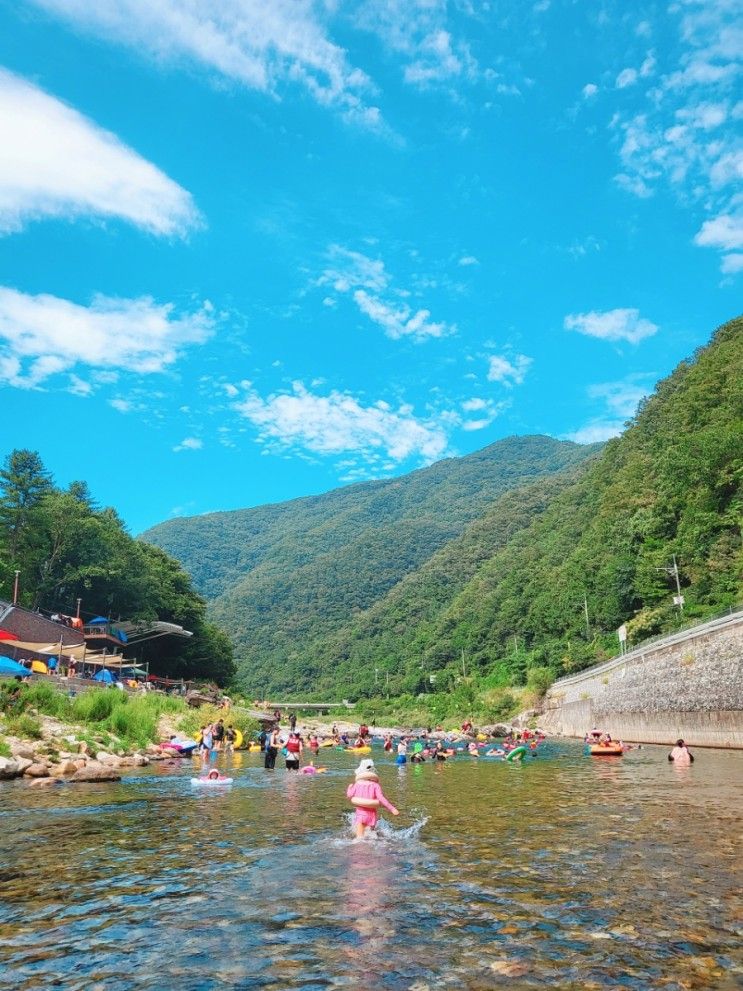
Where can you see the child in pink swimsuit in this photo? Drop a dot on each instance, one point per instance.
(367, 796)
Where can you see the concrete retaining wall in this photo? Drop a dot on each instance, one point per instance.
(687, 685)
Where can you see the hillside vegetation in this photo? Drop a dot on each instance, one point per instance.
(284, 577)
(66, 547)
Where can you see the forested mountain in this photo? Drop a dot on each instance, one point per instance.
(286, 576)
(514, 564)
(670, 485)
(65, 547)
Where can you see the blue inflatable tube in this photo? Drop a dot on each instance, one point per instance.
(401, 759)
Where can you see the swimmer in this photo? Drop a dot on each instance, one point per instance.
(214, 775)
(366, 789)
(681, 755)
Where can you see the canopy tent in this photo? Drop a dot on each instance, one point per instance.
(7, 635)
(98, 621)
(11, 669)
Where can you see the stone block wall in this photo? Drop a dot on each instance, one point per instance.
(688, 685)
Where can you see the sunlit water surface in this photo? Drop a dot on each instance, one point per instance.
(566, 872)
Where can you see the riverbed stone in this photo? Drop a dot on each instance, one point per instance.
(23, 763)
(64, 768)
(37, 771)
(43, 782)
(24, 750)
(9, 768)
(93, 774)
(109, 760)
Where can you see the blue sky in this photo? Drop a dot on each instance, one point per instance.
(253, 251)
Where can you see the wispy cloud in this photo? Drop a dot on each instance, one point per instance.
(262, 46)
(612, 325)
(686, 132)
(419, 31)
(589, 90)
(371, 287)
(509, 371)
(485, 410)
(619, 401)
(189, 444)
(57, 163)
(338, 423)
(42, 336)
(467, 261)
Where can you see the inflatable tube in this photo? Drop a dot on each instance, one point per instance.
(254, 748)
(238, 740)
(401, 759)
(211, 781)
(365, 803)
(358, 750)
(481, 736)
(327, 743)
(612, 750)
(516, 754)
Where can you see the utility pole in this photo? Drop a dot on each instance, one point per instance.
(585, 611)
(678, 599)
(15, 588)
(464, 666)
(77, 614)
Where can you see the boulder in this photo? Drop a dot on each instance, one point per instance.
(9, 768)
(37, 771)
(93, 774)
(23, 750)
(63, 768)
(140, 760)
(23, 763)
(80, 762)
(109, 760)
(43, 782)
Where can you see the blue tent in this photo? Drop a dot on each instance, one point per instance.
(10, 668)
(98, 621)
(104, 675)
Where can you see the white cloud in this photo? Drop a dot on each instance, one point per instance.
(371, 288)
(468, 260)
(57, 163)
(596, 432)
(612, 325)
(189, 444)
(732, 264)
(43, 335)
(589, 90)
(620, 401)
(122, 405)
(339, 424)
(262, 46)
(474, 404)
(418, 30)
(684, 132)
(627, 77)
(724, 232)
(509, 371)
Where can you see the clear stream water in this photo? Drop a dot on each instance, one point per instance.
(567, 872)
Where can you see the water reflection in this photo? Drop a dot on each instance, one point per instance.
(564, 872)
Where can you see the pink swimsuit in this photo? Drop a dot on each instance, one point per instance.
(368, 789)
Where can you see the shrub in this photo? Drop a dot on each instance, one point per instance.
(4, 749)
(500, 705)
(539, 680)
(26, 726)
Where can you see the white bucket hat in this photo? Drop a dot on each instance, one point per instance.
(366, 767)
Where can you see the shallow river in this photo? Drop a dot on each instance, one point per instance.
(567, 872)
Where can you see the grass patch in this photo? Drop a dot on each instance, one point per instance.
(4, 749)
(25, 726)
